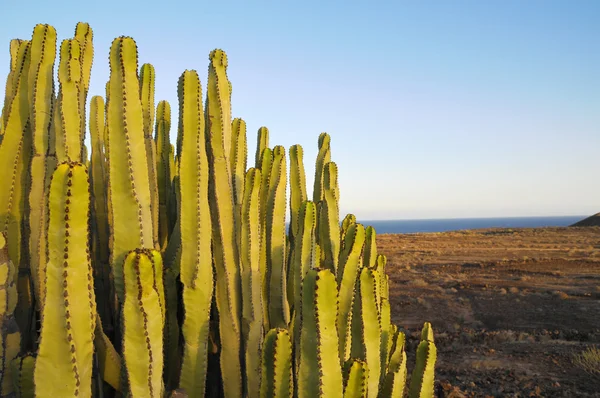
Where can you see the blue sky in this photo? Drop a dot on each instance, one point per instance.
(435, 108)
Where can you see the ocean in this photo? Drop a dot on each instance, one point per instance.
(455, 224)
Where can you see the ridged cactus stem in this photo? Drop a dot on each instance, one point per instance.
(14, 156)
(69, 143)
(85, 36)
(143, 320)
(22, 369)
(261, 144)
(147, 77)
(277, 379)
(394, 383)
(196, 228)
(350, 264)
(69, 313)
(329, 222)
(265, 167)
(129, 192)
(423, 375)
(370, 255)
(356, 377)
(41, 97)
(279, 311)
(323, 158)
(226, 256)
(304, 258)
(366, 328)
(9, 332)
(163, 170)
(252, 303)
(320, 373)
(12, 78)
(100, 235)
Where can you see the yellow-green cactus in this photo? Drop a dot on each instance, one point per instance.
(22, 368)
(128, 183)
(143, 321)
(64, 362)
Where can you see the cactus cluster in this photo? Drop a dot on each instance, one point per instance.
(152, 269)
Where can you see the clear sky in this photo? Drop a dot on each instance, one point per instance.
(436, 109)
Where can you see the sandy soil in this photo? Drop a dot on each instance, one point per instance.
(510, 307)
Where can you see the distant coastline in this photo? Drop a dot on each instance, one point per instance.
(455, 224)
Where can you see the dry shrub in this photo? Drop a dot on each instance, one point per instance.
(589, 361)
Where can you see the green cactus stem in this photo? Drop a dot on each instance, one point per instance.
(261, 144)
(9, 332)
(147, 77)
(320, 373)
(22, 368)
(195, 228)
(69, 313)
(252, 303)
(128, 184)
(423, 375)
(394, 383)
(323, 157)
(143, 318)
(370, 255)
(226, 256)
(41, 87)
(279, 311)
(297, 187)
(163, 170)
(329, 222)
(350, 264)
(356, 374)
(69, 143)
(277, 379)
(14, 156)
(366, 328)
(304, 258)
(109, 361)
(85, 37)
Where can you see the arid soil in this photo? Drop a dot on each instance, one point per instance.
(510, 307)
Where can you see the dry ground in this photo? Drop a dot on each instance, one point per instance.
(510, 307)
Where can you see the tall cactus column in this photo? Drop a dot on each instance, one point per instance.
(64, 362)
(226, 256)
(196, 229)
(130, 217)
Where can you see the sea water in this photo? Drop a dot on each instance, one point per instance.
(455, 224)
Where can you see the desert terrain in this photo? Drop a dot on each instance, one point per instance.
(510, 307)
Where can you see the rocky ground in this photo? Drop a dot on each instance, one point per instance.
(510, 307)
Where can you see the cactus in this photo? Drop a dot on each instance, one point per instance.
(9, 332)
(69, 313)
(143, 321)
(163, 170)
(226, 256)
(195, 228)
(355, 380)
(128, 186)
(319, 373)
(22, 368)
(41, 97)
(147, 76)
(422, 379)
(277, 365)
(252, 303)
(173, 274)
